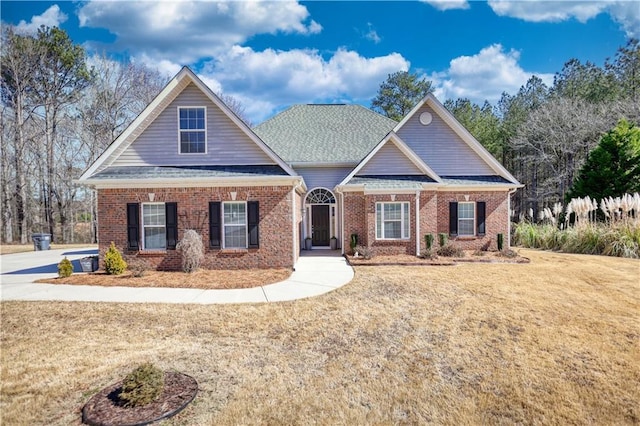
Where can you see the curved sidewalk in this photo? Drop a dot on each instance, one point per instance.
(314, 275)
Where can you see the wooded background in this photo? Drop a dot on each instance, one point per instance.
(60, 109)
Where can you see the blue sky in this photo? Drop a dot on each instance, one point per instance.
(272, 54)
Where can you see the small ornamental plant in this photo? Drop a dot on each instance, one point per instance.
(114, 264)
(142, 386)
(192, 250)
(442, 239)
(428, 241)
(65, 268)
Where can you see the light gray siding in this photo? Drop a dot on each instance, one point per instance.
(326, 177)
(389, 160)
(227, 144)
(441, 148)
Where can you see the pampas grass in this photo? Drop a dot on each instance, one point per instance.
(618, 235)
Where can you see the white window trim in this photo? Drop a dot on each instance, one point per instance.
(404, 228)
(473, 229)
(246, 226)
(143, 226)
(206, 141)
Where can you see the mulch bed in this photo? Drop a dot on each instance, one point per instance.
(105, 408)
(409, 260)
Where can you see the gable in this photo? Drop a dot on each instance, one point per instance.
(227, 144)
(440, 147)
(389, 160)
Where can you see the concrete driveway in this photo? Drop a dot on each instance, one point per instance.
(313, 275)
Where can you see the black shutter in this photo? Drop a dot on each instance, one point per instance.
(453, 218)
(133, 226)
(254, 220)
(214, 224)
(171, 216)
(480, 217)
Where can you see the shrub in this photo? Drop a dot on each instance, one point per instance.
(192, 251)
(142, 386)
(353, 242)
(428, 241)
(65, 268)
(479, 252)
(450, 250)
(429, 253)
(138, 267)
(363, 251)
(114, 264)
(507, 253)
(442, 239)
(500, 242)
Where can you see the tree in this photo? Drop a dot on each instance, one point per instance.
(399, 93)
(480, 121)
(613, 167)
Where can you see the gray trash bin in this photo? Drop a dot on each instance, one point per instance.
(41, 241)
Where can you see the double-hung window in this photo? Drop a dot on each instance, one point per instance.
(392, 221)
(193, 134)
(234, 223)
(154, 226)
(466, 219)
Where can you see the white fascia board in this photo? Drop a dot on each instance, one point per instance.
(305, 164)
(471, 188)
(241, 124)
(139, 121)
(194, 182)
(397, 191)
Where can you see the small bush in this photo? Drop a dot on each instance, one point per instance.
(500, 242)
(450, 250)
(138, 267)
(353, 242)
(142, 386)
(479, 252)
(442, 239)
(428, 241)
(364, 252)
(114, 264)
(429, 253)
(192, 250)
(65, 268)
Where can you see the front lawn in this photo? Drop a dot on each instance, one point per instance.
(554, 341)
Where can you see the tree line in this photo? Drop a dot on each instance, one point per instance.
(59, 109)
(543, 134)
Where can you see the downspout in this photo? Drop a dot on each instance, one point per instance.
(511, 192)
(417, 223)
(339, 191)
(293, 222)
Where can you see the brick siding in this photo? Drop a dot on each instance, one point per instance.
(360, 217)
(276, 241)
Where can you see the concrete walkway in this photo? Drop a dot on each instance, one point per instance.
(315, 274)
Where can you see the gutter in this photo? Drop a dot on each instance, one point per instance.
(511, 192)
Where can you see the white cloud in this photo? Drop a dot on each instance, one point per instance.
(448, 4)
(191, 30)
(625, 12)
(268, 79)
(484, 76)
(51, 17)
(372, 34)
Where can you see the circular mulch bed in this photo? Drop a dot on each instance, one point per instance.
(105, 408)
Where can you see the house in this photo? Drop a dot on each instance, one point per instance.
(318, 171)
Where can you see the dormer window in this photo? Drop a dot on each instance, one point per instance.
(193, 134)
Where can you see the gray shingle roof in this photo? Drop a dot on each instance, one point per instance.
(391, 182)
(324, 133)
(155, 172)
(475, 180)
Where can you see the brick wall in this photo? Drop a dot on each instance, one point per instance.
(275, 229)
(360, 217)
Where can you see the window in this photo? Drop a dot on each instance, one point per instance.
(193, 135)
(234, 223)
(466, 219)
(159, 226)
(154, 226)
(392, 221)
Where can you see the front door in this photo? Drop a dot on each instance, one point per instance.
(320, 225)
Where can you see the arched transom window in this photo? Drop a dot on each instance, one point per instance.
(320, 196)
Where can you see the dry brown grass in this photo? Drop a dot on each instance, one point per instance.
(556, 341)
(23, 248)
(204, 279)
